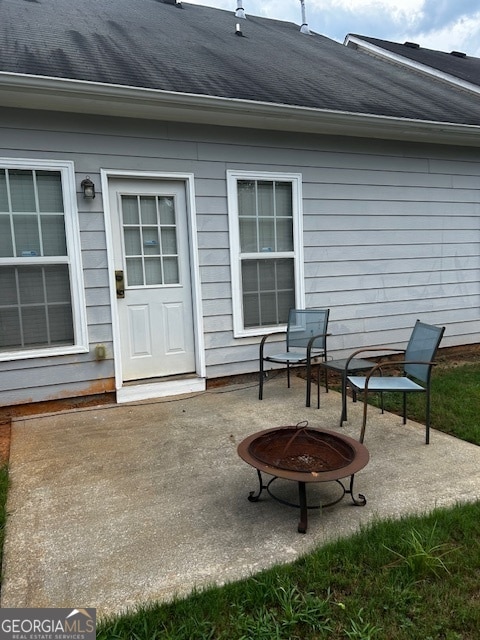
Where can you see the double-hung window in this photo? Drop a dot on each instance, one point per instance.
(266, 249)
(42, 307)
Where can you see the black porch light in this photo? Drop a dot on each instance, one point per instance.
(88, 188)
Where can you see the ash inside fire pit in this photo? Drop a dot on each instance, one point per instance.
(302, 449)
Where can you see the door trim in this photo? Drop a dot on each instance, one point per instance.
(127, 393)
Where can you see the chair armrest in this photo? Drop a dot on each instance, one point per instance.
(265, 338)
(372, 350)
(311, 345)
(381, 365)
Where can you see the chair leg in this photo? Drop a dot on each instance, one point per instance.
(318, 387)
(309, 383)
(343, 417)
(260, 381)
(404, 408)
(288, 375)
(427, 419)
(364, 421)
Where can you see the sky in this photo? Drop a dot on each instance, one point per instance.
(444, 25)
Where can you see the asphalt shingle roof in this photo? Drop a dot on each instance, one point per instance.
(455, 63)
(194, 50)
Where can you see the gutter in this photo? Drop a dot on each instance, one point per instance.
(79, 96)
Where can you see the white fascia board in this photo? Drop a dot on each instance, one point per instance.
(77, 96)
(412, 64)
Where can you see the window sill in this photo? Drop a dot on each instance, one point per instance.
(8, 356)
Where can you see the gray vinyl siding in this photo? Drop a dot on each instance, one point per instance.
(391, 234)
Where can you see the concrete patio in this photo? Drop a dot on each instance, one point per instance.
(115, 506)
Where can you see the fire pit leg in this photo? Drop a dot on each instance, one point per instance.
(251, 496)
(361, 501)
(302, 494)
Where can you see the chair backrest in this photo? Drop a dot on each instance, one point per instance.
(305, 323)
(423, 345)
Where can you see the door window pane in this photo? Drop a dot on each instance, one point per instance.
(166, 208)
(153, 271)
(170, 267)
(135, 272)
(133, 245)
(150, 240)
(169, 241)
(148, 208)
(130, 210)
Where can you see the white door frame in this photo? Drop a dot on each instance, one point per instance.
(171, 387)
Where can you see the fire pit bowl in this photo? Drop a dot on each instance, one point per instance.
(304, 454)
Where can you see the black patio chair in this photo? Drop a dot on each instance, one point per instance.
(306, 341)
(417, 369)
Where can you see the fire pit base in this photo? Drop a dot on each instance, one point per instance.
(304, 455)
(360, 501)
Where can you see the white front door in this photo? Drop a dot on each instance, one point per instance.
(152, 267)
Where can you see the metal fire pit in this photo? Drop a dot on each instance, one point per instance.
(304, 455)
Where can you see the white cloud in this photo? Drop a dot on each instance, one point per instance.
(461, 35)
(398, 11)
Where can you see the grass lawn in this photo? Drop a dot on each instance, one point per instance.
(414, 578)
(455, 407)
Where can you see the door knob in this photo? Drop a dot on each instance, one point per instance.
(120, 284)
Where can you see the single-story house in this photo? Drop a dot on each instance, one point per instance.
(174, 177)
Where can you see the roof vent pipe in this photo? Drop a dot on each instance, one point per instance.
(304, 28)
(240, 13)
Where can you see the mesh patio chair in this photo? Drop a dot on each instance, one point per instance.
(305, 342)
(417, 370)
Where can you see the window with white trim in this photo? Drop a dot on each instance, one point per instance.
(42, 309)
(266, 249)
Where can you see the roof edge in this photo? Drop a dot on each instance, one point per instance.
(79, 96)
(360, 43)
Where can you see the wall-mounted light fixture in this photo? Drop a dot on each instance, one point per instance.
(88, 188)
